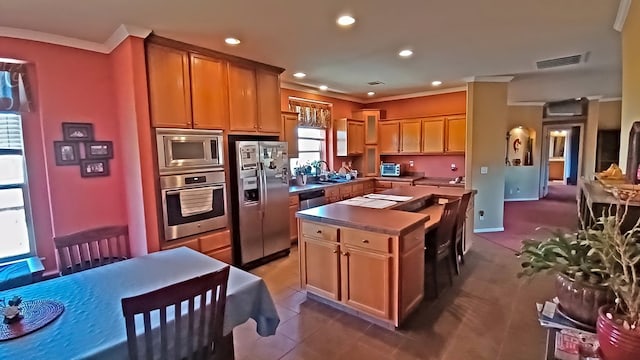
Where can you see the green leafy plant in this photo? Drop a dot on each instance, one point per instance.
(620, 254)
(563, 253)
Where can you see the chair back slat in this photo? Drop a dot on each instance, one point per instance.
(462, 215)
(444, 234)
(196, 329)
(91, 248)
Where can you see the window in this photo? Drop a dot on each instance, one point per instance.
(15, 218)
(311, 146)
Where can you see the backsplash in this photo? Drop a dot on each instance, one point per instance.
(431, 165)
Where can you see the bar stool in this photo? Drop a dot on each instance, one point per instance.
(438, 243)
(457, 249)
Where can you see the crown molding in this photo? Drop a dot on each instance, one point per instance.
(621, 17)
(329, 94)
(121, 33)
(415, 95)
(497, 79)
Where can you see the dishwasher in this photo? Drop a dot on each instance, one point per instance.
(311, 199)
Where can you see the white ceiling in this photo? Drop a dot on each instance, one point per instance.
(451, 39)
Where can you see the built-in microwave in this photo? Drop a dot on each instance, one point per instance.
(186, 150)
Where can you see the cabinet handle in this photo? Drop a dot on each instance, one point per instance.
(335, 251)
(365, 241)
(319, 232)
(345, 253)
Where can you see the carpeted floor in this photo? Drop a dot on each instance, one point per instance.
(523, 218)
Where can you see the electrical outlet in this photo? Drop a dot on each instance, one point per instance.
(410, 163)
(510, 191)
(481, 214)
(454, 167)
(484, 170)
(517, 190)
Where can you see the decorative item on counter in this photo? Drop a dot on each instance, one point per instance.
(11, 310)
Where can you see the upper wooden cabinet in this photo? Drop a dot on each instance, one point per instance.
(243, 102)
(290, 132)
(349, 137)
(410, 136)
(371, 161)
(456, 134)
(169, 87)
(371, 117)
(433, 135)
(209, 98)
(268, 84)
(389, 137)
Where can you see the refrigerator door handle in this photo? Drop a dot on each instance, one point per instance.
(264, 182)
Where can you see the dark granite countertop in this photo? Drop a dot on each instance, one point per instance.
(297, 189)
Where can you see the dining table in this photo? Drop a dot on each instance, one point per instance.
(92, 325)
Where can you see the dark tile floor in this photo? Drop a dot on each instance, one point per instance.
(487, 314)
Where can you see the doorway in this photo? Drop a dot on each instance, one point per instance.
(561, 158)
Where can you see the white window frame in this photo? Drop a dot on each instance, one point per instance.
(323, 147)
(25, 196)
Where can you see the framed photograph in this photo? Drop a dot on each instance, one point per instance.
(98, 150)
(77, 131)
(67, 153)
(94, 168)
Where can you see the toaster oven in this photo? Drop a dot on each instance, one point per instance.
(389, 169)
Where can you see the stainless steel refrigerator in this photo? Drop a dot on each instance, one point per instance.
(261, 196)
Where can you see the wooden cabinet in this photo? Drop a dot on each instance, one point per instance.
(320, 267)
(290, 132)
(349, 137)
(371, 117)
(332, 194)
(366, 283)
(456, 134)
(169, 87)
(209, 99)
(371, 161)
(369, 187)
(216, 244)
(382, 185)
(268, 93)
(433, 135)
(410, 136)
(389, 137)
(293, 222)
(243, 112)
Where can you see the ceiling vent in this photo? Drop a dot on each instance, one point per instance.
(374, 83)
(561, 61)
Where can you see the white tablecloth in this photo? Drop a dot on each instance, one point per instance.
(92, 325)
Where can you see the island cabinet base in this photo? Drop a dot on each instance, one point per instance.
(376, 275)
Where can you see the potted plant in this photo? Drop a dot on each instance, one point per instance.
(618, 325)
(301, 174)
(581, 278)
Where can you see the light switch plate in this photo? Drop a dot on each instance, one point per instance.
(484, 170)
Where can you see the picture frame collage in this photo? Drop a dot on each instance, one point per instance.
(79, 147)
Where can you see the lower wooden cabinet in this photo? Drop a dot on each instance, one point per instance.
(293, 222)
(216, 244)
(366, 280)
(321, 270)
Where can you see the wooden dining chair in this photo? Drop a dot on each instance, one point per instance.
(457, 245)
(203, 328)
(438, 242)
(92, 248)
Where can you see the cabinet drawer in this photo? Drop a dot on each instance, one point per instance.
(383, 184)
(214, 241)
(412, 239)
(346, 190)
(358, 188)
(191, 244)
(333, 191)
(368, 185)
(294, 200)
(367, 240)
(223, 255)
(319, 231)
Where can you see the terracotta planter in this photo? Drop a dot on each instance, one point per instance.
(616, 343)
(581, 301)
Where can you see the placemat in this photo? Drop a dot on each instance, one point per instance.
(36, 314)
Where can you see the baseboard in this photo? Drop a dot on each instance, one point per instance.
(486, 230)
(522, 199)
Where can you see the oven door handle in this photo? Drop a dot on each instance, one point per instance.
(177, 192)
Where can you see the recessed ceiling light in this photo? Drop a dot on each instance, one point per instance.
(371, 93)
(232, 41)
(346, 20)
(436, 83)
(405, 53)
(323, 87)
(299, 75)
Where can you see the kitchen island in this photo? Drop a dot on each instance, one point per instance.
(367, 261)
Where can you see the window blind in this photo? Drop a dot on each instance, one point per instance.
(10, 133)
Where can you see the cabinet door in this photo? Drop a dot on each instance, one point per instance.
(433, 136)
(290, 133)
(293, 223)
(169, 89)
(209, 93)
(321, 268)
(456, 134)
(355, 138)
(389, 137)
(366, 281)
(410, 136)
(371, 127)
(243, 114)
(371, 160)
(412, 278)
(268, 84)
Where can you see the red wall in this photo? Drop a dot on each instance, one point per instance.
(442, 104)
(69, 85)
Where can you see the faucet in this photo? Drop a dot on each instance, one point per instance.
(319, 166)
